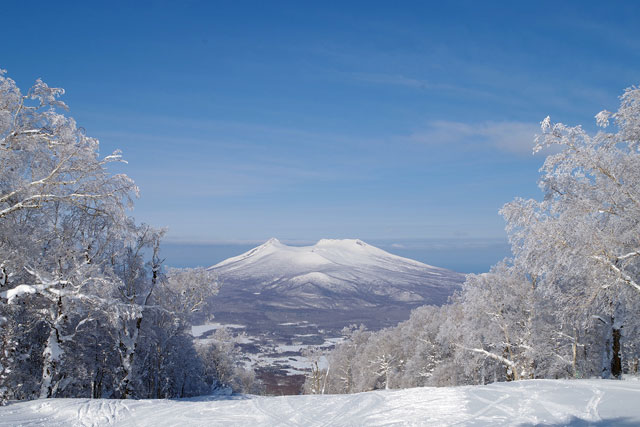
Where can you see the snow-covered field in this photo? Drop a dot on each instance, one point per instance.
(279, 355)
(272, 354)
(198, 330)
(535, 402)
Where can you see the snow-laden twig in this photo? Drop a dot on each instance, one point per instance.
(490, 355)
(622, 275)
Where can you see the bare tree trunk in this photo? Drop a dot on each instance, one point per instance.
(324, 383)
(611, 353)
(574, 350)
(616, 359)
(52, 353)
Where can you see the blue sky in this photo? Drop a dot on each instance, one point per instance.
(390, 122)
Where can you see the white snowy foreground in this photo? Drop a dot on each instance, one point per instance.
(535, 402)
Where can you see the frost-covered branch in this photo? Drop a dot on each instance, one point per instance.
(499, 358)
(622, 275)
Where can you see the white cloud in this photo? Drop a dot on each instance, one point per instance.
(516, 137)
(513, 137)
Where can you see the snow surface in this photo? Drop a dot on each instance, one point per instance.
(198, 330)
(535, 402)
(17, 292)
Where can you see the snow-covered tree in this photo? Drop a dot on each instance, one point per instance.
(166, 328)
(499, 309)
(583, 239)
(223, 366)
(399, 357)
(46, 158)
(59, 210)
(85, 309)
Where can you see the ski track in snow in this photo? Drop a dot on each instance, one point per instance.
(535, 402)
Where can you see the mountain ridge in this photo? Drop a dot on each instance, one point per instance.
(322, 243)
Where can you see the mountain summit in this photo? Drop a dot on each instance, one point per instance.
(345, 275)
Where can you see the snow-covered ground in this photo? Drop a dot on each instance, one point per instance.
(272, 354)
(535, 402)
(199, 330)
(279, 355)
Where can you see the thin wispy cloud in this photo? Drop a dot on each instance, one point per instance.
(416, 83)
(512, 137)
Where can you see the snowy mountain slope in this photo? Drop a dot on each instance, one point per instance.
(534, 402)
(332, 274)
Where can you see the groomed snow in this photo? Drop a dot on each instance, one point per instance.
(535, 402)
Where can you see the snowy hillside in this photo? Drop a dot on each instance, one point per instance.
(535, 402)
(334, 274)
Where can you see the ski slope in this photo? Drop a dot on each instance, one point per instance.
(534, 402)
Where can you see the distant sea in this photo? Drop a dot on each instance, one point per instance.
(461, 255)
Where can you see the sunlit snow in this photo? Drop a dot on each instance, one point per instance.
(562, 402)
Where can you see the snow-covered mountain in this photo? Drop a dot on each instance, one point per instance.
(332, 274)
